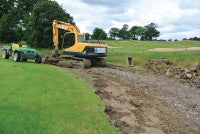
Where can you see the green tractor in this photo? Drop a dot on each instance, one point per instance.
(21, 53)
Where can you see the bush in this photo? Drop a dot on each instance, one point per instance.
(22, 43)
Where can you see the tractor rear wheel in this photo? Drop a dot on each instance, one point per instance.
(38, 60)
(17, 57)
(5, 54)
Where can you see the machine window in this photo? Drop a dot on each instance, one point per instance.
(81, 38)
(68, 40)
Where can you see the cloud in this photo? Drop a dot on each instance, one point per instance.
(181, 35)
(175, 18)
(189, 4)
(108, 3)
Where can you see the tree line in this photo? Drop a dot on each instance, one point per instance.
(148, 32)
(194, 39)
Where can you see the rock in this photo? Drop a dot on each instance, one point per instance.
(189, 76)
(187, 70)
(167, 73)
(177, 76)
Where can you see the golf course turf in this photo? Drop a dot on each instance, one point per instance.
(39, 99)
(140, 51)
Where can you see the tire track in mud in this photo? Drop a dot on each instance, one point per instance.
(130, 105)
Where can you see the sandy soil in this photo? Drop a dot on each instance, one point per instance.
(111, 47)
(174, 49)
(141, 103)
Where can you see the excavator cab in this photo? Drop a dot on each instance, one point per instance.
(68, 40)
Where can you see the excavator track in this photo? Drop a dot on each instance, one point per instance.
(75, 61)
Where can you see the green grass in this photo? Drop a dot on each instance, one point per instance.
(139, 50)
(40, 99)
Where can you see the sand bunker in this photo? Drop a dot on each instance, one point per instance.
(175, 49)
(113, 47)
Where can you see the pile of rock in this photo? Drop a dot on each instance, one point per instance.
(164, 66)
(158, 65)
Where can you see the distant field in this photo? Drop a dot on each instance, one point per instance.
(40, 99)
(139, 50)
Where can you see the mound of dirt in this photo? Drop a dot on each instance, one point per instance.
(165, 67)
(158, 65)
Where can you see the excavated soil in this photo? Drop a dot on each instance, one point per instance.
(140, 103)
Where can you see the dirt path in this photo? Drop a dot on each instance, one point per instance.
(144, 103)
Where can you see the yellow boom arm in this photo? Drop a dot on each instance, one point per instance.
(65, 26)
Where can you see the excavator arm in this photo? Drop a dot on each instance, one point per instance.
(64, 26)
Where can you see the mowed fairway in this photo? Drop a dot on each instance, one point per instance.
(140, 51)
(40, 99)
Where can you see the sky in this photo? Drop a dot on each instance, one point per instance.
(177, 19)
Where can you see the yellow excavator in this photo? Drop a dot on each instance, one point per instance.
(83, 52)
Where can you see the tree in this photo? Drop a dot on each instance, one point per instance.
(140, 32)
(12, 16)
(99, 34)
(125, 27)
(150, 31)
(7, 28)
(133, 32)
(7, 21)
(114, 32)
(24, 13)
(6, 6)
(43, 14)
(195, 39)
(124, 33)
(87, 36)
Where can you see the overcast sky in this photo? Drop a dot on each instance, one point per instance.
(176, 19)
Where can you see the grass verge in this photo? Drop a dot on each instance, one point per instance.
(39, 99)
